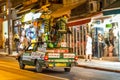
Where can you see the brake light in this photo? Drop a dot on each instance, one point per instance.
(46, 58)
(76, 58)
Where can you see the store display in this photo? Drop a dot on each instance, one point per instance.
(42, 25)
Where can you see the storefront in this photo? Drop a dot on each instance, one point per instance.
(77, 39)
(25, 26)
(40, 26)
(79, 28)
(114, 11)
(107, 27)
(114, 23)
(100, 35)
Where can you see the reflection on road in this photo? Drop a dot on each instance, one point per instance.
(9, 70)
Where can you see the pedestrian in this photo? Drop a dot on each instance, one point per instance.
(111, 50)
(5, 42)
(88, 48)
(100, 46)
(111, 37)
(17, 41)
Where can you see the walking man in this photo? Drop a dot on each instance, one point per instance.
(88, 48)
(6, 42)
(100, 45)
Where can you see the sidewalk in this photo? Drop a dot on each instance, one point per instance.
(100, 65)
(6, 54)
(113, 66)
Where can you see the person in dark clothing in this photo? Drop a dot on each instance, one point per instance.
(6, 42)
(111, 37)
(100, 45)
(17, 41)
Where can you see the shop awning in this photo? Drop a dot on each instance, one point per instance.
(66, 9)
(78, 22)
(102, 18)
(112, 9)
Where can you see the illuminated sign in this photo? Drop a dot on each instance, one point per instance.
(28, 17)
(31, 16)
(37, 15)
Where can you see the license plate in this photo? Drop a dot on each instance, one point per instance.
(61, 60)
(60, 64)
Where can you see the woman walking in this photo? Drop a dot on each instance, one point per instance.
(88, 48)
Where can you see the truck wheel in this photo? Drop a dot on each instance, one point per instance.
(38, 67)
(22, 66)
(67, 69)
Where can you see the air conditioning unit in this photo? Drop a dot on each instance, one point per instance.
(93, 6)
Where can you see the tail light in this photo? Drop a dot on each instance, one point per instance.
(76, 58)
(46, 58)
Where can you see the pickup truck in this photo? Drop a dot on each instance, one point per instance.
(43, 57)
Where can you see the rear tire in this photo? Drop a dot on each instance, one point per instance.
(67, 69)
(22, 66)
(38, 67)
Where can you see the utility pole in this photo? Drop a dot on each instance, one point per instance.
(9, 4)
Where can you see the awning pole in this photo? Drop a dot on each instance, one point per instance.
(118, 45)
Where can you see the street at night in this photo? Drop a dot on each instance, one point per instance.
(59, 39)
(9, 70)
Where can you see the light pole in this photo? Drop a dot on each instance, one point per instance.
(9, 4)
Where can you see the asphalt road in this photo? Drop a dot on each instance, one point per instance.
(9, 70)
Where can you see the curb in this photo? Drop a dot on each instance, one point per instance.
(10, 55)
(99, 68)
(4, 54)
